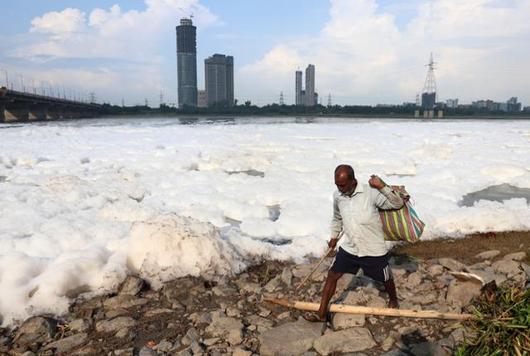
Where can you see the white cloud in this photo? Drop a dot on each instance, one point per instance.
(112, 33)
(59, 25)
(140, 46)
(363, 56)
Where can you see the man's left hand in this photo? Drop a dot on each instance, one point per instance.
(376, 182)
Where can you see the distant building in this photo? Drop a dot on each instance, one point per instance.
(451, 103)
(298, 88)
(307, 96)
(219, 79)
(310, 86)
(202, 99)
(187, 63)
(511, 105)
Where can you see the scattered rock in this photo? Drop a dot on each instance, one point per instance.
(414, 279)
(124, 352)
(284, 315)
(488, 274)
(461, 293)
(115, 324)
(388, 342)
(233, 312)
(35, 331)
(273, 284)
(79, 325)
(131, 286)
(259, 321)
(191, 336)
(287, 276)
(289, 339)
(146, 351)
(228, 328)
(124, 301)
(67, 344)
(451, 264)
(507, 267)
(516, 256)
(164, 346)
(487, 255)
(251, 288)
(349, 340)
(345, 321)
(435, 270)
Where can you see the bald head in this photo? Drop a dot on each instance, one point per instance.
(345, 179)
(345, 169)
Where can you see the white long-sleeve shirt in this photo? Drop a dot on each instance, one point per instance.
(358, 215)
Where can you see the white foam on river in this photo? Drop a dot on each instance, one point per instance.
(84, 203)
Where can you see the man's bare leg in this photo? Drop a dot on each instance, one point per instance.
(327, 293)
(390, 288)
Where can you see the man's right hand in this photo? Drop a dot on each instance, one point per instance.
(333, 242)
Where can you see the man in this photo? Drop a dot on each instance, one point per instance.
(355, 210)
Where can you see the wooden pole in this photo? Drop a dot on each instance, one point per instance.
(353, 309)
(330, 249)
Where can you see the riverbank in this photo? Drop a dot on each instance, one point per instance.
(228, 316)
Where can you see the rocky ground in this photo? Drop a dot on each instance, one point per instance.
(192, 316)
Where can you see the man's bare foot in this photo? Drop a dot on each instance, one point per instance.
(393, 304)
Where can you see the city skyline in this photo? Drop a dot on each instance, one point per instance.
(306, 96)
(367, 52)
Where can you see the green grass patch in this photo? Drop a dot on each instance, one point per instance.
(502, 323)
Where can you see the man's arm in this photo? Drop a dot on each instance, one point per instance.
(386, 199)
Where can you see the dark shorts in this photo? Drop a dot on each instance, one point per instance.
(375, 267)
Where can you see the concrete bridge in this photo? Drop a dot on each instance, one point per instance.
(20, 106)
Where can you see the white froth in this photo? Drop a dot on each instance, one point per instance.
(84, 203)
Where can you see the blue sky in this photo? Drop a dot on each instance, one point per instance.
(365, 51)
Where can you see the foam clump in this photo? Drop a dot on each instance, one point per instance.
(170, 246)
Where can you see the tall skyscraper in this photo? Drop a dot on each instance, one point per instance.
(306, 97)
(298, 88)
(187, 63)
(310, 85)
(219, 79)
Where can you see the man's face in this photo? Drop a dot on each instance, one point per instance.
(344, 184)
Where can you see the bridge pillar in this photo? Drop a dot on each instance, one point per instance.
(39, 112)
(2, 113)
(18, 114)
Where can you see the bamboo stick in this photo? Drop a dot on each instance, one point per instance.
(330, 249)
(354, 309)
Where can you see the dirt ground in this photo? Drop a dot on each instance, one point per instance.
(465, 249)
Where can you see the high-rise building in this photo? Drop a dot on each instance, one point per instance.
(307, 96)
(310, 85)
(187, 63)
(219, 79)
(298, 87)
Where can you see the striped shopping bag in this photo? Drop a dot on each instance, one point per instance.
(401, 224)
